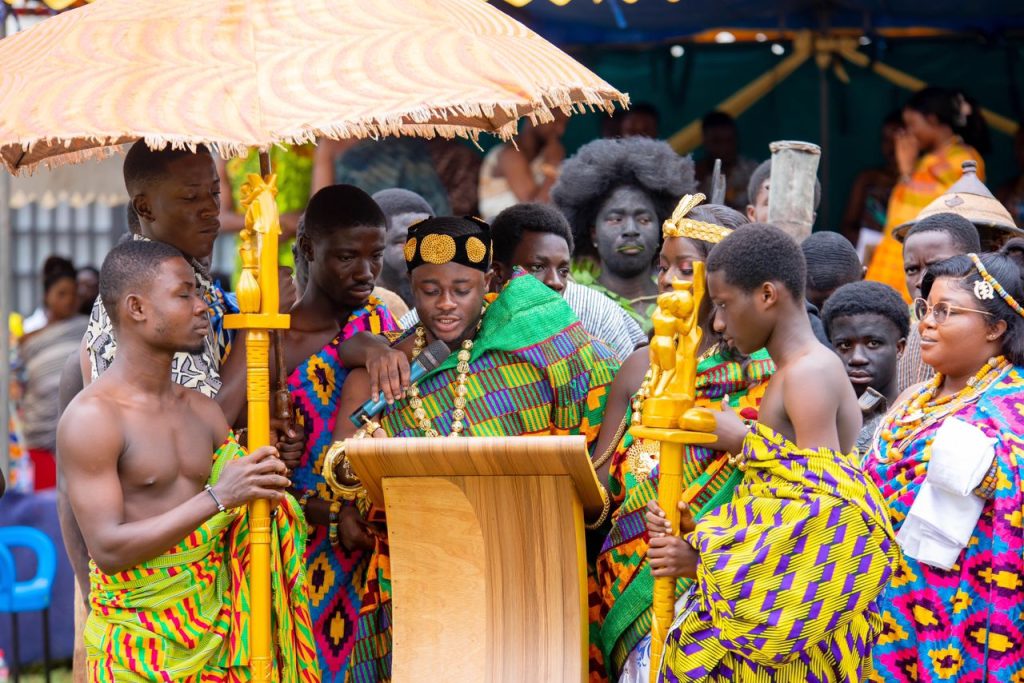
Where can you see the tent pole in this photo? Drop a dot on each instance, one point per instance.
(5, 297)
(826, 159)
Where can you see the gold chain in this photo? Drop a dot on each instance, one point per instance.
(416, 403)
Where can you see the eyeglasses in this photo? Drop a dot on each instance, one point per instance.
(940, 311)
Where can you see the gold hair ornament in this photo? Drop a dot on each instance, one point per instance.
(681, 226)
(984, 291)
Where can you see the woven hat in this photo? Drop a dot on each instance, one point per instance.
(970, 198)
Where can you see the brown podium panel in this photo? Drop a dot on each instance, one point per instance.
(488, 560)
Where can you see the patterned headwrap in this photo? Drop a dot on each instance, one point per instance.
(681, 226)
(987, 286)
(449, 239)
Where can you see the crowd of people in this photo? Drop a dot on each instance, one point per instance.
(858, 516)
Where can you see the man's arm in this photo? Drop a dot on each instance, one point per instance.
(84, 364)
(811, 402)
(388, 366)
(516, 170)
(625, 384)
(91, 445)
(354, 393)
(71, 383)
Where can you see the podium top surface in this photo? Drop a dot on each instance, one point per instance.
(376, 459)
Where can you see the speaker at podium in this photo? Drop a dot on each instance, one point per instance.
(488, 559)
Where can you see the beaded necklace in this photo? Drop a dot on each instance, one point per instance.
(638, 398)
(924, 410)
(416, 403)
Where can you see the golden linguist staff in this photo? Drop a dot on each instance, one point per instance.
(258, 305)
(669, 416)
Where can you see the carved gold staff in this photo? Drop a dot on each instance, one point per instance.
(259, 314)
(668, 416)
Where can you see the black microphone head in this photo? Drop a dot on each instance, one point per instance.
(432, 356)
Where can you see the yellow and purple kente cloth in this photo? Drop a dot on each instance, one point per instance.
(336, 576)
(624, 579)
(790, 572)
(184, 616)
(965, 624)
(533, 371)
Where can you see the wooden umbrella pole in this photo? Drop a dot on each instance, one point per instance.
(668, 416)
(258, 303)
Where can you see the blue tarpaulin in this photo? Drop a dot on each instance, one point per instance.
(617, 22)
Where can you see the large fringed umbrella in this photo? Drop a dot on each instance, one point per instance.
(250, 74)
(240, 74)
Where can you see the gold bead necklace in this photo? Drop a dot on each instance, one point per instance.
(416, 403)
(914, 417)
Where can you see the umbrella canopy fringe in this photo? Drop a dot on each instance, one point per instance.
(499, 119)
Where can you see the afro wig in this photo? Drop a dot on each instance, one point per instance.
(600, 167)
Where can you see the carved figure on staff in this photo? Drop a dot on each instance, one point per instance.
(724, 379)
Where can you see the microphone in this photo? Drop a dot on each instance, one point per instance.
(429, 358)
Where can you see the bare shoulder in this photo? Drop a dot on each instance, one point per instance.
(820, 364)
(815, 376)
(207, 410)
(90, 427)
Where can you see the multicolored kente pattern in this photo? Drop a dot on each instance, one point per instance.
(624, 577)
(184, 616)
(965, 624)
(533, 371)
(789, 575)
(336, 576)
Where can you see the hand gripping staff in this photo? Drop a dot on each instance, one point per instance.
(669, 417)
(258, 304)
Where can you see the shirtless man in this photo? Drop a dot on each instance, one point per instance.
(136, 453)
(803, 514)
(759, 300)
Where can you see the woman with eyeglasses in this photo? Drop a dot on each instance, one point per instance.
(948, 460)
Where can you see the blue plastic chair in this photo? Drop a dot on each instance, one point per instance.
(27, 596)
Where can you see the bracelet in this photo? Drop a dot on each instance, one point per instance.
(346, 491)
(604, 511)
(306, 495)
(216, 500)
(332, 527)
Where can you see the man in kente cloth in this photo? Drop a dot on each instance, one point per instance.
(343, 241)
(158, 482)
(789, 571)
(526, 332)
(725, 378)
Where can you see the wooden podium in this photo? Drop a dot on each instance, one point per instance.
(488, 559)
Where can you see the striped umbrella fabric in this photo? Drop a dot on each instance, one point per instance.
(252, 73)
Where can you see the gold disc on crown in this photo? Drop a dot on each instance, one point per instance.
(437, 249)
(476, 250)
